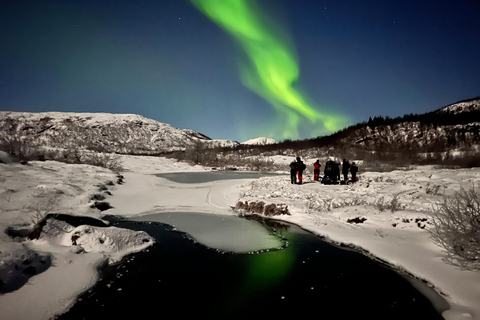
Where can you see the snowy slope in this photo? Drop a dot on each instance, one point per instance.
(461, 107)
(122, 133)
(456, 126)
(259, 141)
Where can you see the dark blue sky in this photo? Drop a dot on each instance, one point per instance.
(165, 60)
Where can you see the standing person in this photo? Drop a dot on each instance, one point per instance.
(336, 173)
(328, 172)
(316, 170)
(300, 168)
(353, 171)
(293, 172)
(345, 169)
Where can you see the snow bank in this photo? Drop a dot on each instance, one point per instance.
(43, 278)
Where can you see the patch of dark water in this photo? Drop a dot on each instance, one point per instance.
(209, 176)
(180, 278)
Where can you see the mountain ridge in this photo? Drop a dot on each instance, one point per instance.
(451, 127)
(120, 133)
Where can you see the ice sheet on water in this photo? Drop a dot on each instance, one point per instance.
(223, 232)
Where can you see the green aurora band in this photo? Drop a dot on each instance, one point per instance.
(272, 68)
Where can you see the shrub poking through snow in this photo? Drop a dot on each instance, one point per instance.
(456, 227)
(393, 205)
(259, 207)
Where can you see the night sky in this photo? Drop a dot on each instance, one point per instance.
(304, 67)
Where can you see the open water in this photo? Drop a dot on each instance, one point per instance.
(306, 277)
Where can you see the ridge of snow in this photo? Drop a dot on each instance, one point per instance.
(259, 141)
(464, 106)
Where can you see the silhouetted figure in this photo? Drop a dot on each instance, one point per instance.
(336, 172)
(316, 170)
(353, 171)
(331, 172)
(345, 169)
(300, 167)
(293, 172)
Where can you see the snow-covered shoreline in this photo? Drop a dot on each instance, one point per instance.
(400, 238)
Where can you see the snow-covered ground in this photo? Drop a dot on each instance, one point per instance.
(396, 237)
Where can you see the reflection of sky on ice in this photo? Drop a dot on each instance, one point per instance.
(226, 233)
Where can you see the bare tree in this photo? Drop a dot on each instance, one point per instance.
(19, 146)
(195, 152)
(43, 204)
(456, 227)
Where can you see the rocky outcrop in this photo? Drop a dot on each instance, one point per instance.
(259, 207)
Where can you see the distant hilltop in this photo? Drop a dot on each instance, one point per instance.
(259, 141)
(465, 106)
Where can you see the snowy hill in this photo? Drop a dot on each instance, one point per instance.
(259, 141)
(121, 133)
(462, 107)
(454, 127)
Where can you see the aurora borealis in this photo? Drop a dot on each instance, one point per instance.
(273, 68)
(276, 68)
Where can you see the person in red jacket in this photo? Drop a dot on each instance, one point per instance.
(300, 167)
(316, 170)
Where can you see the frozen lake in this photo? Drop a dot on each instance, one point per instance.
(179, 277)
(222, 232)
(201, 177)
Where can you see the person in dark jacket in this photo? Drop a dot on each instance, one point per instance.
(293, 172)
(353, 171)
(331, 172)
(327, 172)
(316, 170)
(336, 172)
(345, 169)
(300, 168)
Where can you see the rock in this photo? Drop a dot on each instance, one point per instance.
(7, 158)
(261, 208)
(98, 196)
(357, 220)
(102, 205)
(30, 270)
(18, 232)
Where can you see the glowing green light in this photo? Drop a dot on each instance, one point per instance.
(268, 269)
(272, 69)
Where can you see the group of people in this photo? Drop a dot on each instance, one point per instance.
(331, 173)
